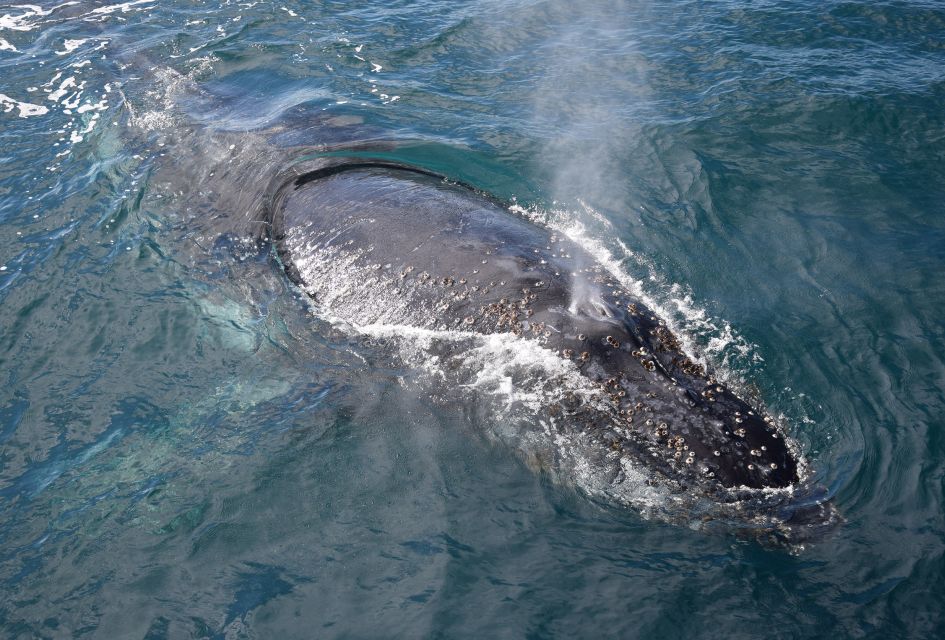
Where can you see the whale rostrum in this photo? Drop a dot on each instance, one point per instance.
(377, 243)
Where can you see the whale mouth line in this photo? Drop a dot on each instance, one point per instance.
(346, 164)
(381, 243)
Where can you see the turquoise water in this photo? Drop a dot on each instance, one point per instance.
(188, 449)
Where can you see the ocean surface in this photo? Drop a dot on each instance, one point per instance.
(189, 449)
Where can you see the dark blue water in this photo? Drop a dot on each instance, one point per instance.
(188, 449)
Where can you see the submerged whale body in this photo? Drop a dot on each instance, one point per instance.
(374, 243)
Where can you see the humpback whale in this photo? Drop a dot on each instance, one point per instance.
(378, 243)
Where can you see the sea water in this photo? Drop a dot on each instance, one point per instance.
(189, 448)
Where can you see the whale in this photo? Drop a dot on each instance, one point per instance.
(387, 243)
(375, 242)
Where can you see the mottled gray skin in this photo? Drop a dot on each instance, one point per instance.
(377, 243)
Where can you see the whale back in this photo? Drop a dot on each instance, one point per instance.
(375, 244)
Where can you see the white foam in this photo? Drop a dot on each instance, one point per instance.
(26, 109)
(162, 97)
(491, 359)
(22, 22)
(74, 99)
(98, 106)
(124, 7)
(18, 23)
(71, 45)
(52, 80)
(67, 84)
(6, 46)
